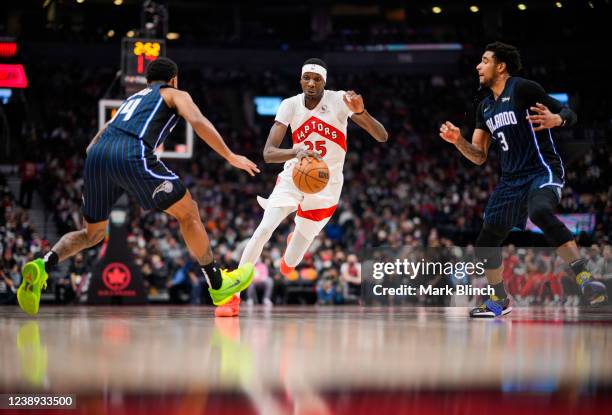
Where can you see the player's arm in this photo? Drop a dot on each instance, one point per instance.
(362, 118)
(186, 108)
(476, 151)
(272, 152)
(97, 137)
(549, 113)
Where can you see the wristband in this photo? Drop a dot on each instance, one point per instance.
(359, 113)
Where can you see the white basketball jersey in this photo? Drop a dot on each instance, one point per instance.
(322, 129)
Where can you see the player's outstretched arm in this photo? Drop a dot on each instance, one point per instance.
(274, 154)
(186, 108)
(362, 118)
(476, 151)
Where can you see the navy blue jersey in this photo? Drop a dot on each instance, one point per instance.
(146, 117)
(123, 159)
(522, 150)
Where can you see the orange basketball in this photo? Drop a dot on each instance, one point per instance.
(310, 175)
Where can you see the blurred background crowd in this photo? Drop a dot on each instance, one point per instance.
(414, 190)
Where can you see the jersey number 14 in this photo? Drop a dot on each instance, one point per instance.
(127, 109)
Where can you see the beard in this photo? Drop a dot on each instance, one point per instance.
(486, 83)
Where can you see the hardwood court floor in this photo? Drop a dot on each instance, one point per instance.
(317, 354)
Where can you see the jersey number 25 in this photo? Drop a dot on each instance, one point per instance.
(318, 146)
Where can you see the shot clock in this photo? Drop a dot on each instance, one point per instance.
(136, 53)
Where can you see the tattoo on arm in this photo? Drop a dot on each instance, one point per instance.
(470, 151)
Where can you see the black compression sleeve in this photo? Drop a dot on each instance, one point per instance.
(529, 93)
(569, 117)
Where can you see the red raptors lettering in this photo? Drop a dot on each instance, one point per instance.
(325, 130)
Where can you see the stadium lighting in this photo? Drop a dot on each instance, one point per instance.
(474, 9)
(110, 33)
(591, 5)
(117, 2)
(130, 33)
(436, 10)
(173, 36)
(522, 7)
(559, 4)
(80, 1)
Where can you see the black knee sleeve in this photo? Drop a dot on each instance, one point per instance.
(541, 207)
(488, 245)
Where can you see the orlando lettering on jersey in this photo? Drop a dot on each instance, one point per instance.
(501, 120)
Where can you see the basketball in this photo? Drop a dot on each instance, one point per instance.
(310, 175)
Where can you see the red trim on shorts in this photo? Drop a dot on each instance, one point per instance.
(316, 214)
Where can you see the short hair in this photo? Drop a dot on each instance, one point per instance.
(161, 69)
(507, 54)
(315, 61)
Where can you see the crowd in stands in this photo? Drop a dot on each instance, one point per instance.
(19, 242)
(414, 190)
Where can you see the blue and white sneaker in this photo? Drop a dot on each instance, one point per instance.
(594, 292)
(493, 307)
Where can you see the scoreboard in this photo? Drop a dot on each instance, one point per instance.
(136, 53)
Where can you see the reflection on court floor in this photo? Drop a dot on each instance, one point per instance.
(317, 360)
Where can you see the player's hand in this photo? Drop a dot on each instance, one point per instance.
(450, 132)
(354, 101)
(307, 153)
(544, 118)
(243, 163)
(302, 151)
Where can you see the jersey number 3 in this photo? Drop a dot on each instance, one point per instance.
(502, 140)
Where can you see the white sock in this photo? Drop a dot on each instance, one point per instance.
(296, 249)
(271, 219)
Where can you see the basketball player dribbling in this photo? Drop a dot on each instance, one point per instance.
(318, 120)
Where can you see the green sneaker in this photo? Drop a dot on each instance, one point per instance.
(34, 278)
(233, 282)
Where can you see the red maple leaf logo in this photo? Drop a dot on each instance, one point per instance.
(116, 276)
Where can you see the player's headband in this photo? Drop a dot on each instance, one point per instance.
(314, 68)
